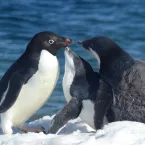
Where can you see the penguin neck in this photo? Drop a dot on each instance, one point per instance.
(113, 68)
(77, 66)
(44, 60)
(69, 65)
(32, 54)
(47, 61)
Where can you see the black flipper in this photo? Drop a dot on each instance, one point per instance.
(103, 103)
(13, 88)
(70, 111)
(110, 114)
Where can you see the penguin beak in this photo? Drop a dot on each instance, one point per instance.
(83, 44)
(67, 48)
(64, 42)
(68, 41)
(80, 43)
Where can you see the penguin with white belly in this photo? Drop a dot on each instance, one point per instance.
(88, 96)
(28, 83)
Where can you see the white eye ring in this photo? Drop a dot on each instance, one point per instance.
(51, 41)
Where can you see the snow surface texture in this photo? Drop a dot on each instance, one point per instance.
(78, 133)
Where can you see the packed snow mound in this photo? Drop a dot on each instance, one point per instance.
(76, 132)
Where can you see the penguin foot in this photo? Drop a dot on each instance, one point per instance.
(32, 129)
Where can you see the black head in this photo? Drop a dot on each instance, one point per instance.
(104, 48)
(113, 60)
(48, 41)
(101, 46)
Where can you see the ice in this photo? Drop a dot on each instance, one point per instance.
(76, 132)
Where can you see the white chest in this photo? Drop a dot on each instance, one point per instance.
(88, 113)
(67, 81)
(68, 76)
(37, 90)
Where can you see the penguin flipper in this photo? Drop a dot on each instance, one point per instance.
(103, 103)
(70, 111)
(9, 96)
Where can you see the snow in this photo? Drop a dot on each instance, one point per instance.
(76, 132)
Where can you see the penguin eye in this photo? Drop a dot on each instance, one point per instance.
(51, 41)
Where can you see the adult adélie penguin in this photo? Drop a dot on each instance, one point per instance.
(125, 75)
(28, 83)
(87, 95)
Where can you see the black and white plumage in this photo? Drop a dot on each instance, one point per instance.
(125, 75)
(87, 95)
(28, 83)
